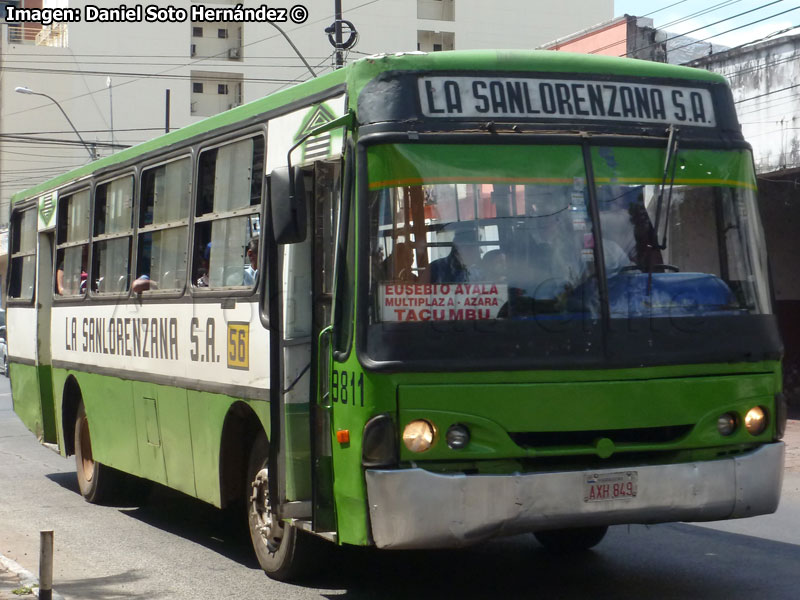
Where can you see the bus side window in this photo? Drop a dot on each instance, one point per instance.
(113, 232)
(227, 222)
(164, 225)
(72, 244)
(22, 274)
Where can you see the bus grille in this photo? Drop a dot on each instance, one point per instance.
(645, 435)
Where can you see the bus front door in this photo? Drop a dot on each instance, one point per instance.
(306, 291)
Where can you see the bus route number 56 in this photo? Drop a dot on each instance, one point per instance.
(239, 345)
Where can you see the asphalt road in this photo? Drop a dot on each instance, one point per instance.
(175, 547)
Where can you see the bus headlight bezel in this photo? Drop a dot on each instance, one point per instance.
(378, 443)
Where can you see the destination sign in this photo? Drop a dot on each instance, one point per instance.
(565, 99)
(442, 302)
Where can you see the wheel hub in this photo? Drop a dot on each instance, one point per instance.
(87, 461)
(265, 523)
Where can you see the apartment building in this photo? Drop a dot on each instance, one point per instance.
(121, 83)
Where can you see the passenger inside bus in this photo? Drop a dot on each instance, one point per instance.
(251, 270)
(398, 265)
(494, 266)
(142, 284)
(462, 264)
(66, 285)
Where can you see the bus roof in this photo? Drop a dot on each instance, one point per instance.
(361, 72)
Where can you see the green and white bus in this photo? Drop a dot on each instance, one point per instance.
(496, 292)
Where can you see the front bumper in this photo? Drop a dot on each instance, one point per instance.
(414, 508)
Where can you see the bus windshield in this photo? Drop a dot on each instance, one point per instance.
(477, 233)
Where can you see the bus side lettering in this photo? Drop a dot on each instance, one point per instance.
(194, 353)
(211, 334)
(346, 388)
(71, 336)
(129, 336)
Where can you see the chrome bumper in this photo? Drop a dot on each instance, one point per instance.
(413, 508)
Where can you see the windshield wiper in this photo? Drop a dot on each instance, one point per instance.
(672, 152)
(671, 161)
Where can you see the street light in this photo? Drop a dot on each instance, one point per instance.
(24, 90)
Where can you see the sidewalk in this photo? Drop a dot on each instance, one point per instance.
(15, 582)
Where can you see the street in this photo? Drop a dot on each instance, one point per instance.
(175, 547)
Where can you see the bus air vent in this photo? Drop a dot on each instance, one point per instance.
(645, 435)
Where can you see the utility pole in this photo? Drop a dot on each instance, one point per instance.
(335, 35)
(110, 110)
(166, 112)
(337, 9)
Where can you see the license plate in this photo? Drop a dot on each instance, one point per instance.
(610, 486)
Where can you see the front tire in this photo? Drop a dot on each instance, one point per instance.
(95, 480)
(571, 540)
(283, 552)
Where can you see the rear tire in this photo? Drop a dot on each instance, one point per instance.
(571, 540)
(284, 552)
(96, 481)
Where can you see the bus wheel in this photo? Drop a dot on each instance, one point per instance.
(283, 552)
(95, 480)
(571, 540)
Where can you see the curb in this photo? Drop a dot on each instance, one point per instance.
(26, 578)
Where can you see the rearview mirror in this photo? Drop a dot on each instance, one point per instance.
(287, 199)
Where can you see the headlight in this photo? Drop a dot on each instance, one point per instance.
(418, 435)
(726, 424)
(755, 421)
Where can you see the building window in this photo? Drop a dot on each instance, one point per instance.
(197, 87)
(436, 10)
(222, 33)
(222, 89)
(435, 41)
(197, 32)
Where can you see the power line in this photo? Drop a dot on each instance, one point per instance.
(146, 75)
(86, 131)
(36, 140)
(249, 64)
(711, 25)
(675, 22)
(133, 80)
(742, 26)
(783, 89)
(700, 13)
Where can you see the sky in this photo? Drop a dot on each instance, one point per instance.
(683, 16)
